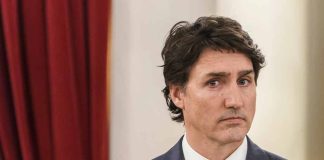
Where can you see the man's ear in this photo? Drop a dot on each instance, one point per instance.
(177, 95)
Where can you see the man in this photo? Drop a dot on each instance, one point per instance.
(211, 69)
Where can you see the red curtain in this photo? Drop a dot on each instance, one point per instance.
(53, 88)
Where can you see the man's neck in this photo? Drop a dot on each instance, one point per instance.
(212, 149)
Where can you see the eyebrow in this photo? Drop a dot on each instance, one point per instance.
(226, 74)
(245, 72)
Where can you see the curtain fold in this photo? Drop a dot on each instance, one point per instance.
(53, 73)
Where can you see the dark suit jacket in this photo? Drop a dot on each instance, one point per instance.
(254, 153)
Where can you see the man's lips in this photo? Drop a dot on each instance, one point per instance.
(232, 119)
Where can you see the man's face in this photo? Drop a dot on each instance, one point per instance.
(218, 100)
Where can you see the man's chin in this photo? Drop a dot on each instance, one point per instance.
(232, 136)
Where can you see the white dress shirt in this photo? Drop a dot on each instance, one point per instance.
(191, 154)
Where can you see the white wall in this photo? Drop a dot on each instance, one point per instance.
(141, 127)
(315, 85)
(140, 123)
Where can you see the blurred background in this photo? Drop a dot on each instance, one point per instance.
(290, 102)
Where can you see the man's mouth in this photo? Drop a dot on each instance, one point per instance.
(232, 119)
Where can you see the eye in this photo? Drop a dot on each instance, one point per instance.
(213, 83)
(243, 82)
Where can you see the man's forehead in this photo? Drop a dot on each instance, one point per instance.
(225, 74)
(214, 61)
(210, 55)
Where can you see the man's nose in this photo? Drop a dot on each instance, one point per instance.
(233, 98)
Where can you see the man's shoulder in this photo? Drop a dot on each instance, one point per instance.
(175, 153)
(256, 153)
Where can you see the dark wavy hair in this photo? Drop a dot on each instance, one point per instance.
(186, 41)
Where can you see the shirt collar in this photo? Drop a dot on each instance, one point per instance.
(240, 152)
(190, 154)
